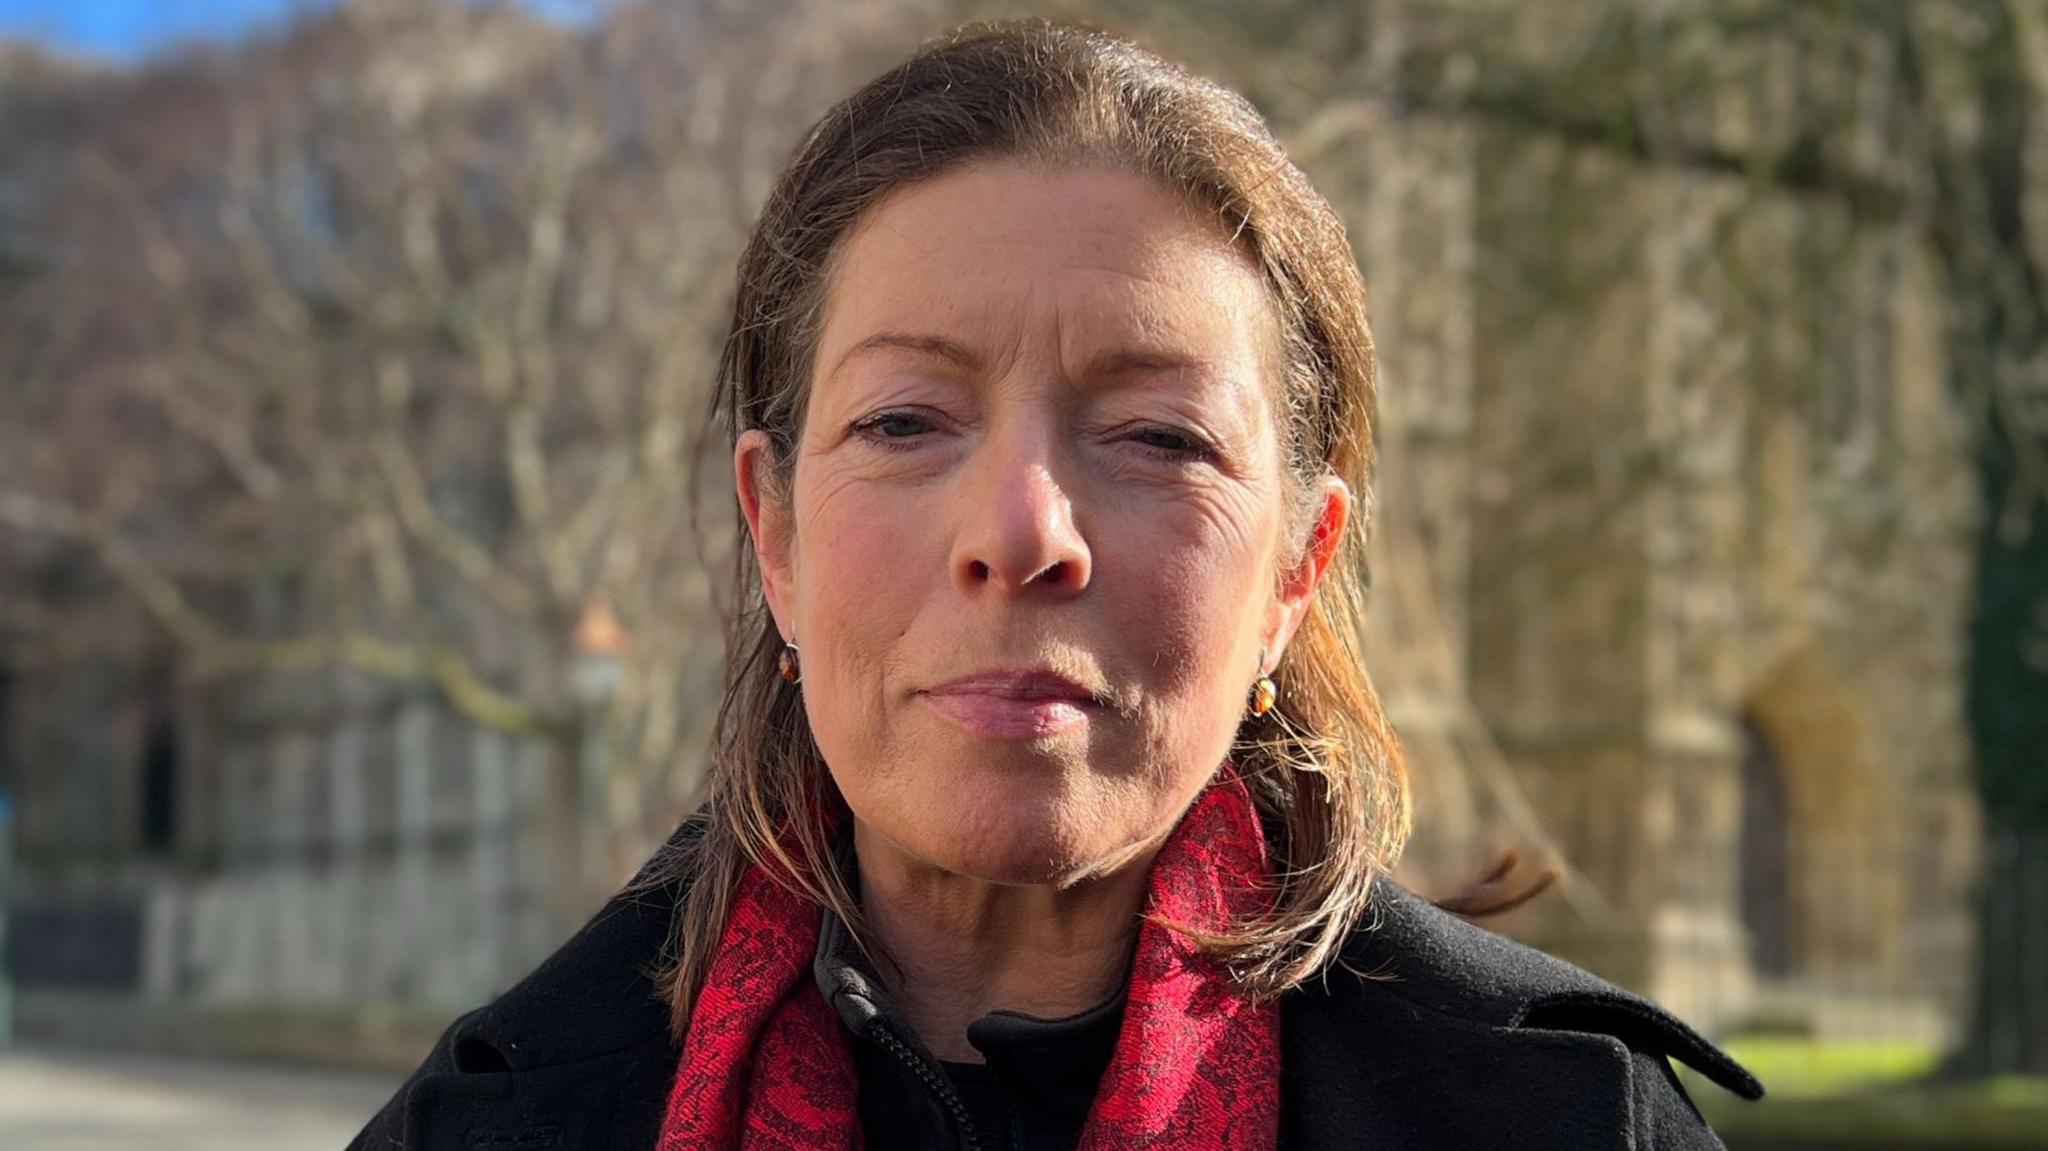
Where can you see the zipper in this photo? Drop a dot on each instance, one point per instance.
(933, 1080)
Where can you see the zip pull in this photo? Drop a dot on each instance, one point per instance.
(934, 1080)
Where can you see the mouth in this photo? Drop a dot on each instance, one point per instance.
(1014, 704)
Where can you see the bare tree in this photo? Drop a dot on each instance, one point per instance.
(385, 347)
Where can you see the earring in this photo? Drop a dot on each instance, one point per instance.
(1264, 691)
(786, 665)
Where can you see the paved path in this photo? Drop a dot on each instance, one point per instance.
(54, 1099)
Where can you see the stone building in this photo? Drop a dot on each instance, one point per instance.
(1670, 547)
(1671, 565)
(259, 865)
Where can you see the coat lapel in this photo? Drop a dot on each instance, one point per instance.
(1374, 1071)
(1434, 1033)
(612, 1102)
(577, 1054)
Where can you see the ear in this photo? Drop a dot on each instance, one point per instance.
(1297, 586)
(768, 523)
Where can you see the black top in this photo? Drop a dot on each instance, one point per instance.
(1432, 1034)
(1031, 1094)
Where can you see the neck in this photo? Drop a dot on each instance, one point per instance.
(962, 947)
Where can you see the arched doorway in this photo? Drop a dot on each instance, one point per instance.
(1822, 891)
(1765, 854)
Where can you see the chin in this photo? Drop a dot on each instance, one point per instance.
(1019, 828)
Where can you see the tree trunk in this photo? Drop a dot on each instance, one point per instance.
(2007, 714)
(2008, 1026)
(1998, 365)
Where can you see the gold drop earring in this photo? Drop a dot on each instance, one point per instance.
(1264, 691)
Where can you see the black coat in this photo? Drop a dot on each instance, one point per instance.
(1456, 1039)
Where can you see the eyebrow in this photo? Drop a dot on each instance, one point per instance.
(1116, 362)
(1139, 361)
(937, 346)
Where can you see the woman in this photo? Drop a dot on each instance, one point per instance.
(1051, 804)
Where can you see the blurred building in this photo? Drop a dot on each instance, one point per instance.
(292, 865)
(1671, 541)
(1675, 537)
(320, 865)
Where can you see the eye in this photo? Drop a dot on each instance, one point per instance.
(890, 430)
(1172, 444)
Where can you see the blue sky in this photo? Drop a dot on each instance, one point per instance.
(133, 29)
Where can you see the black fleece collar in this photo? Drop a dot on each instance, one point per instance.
(1049, 1065)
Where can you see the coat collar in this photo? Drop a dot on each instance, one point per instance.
(1422, 1004)
(1415, 951)
(597, 993)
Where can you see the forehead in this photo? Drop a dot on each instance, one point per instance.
(1007, 250)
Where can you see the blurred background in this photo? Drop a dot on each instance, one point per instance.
(362, 541)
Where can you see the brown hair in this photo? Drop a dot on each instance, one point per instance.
(1323, 765)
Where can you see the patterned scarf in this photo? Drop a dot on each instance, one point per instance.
(765, 1065)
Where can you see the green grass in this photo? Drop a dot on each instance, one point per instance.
(1855, 1093)
(1804, 1069)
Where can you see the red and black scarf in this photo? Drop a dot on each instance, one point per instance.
(765, 1066)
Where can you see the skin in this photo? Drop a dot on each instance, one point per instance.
(1041, 433)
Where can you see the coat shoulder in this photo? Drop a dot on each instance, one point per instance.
(1412, 949)
(583, 1038)
(1436, 1033)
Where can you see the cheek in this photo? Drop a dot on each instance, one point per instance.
(861, 564)
(855, 554)
(1191, 583)
(1193, 570)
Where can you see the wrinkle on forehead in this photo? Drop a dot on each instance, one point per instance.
(960, 240)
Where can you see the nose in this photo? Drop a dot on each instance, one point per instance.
(1017, 528)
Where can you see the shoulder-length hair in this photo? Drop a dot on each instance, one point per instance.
(1323, 766)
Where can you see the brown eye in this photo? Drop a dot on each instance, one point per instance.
(891, 430)
(1172, 444)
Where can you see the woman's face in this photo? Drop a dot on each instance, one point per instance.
(1035, 537)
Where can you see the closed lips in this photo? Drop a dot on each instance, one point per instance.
(1021, 686)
